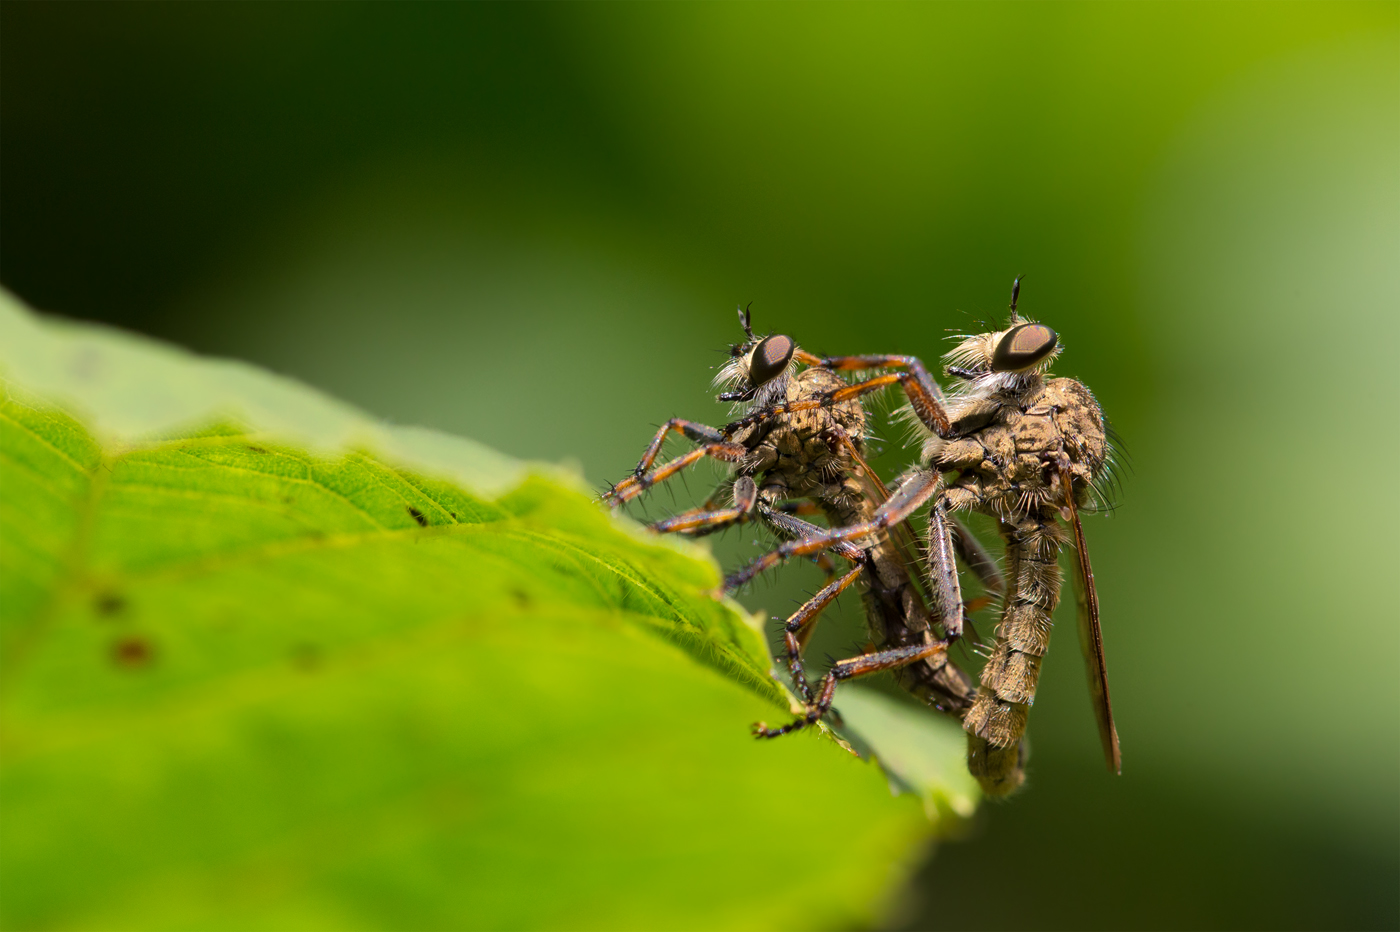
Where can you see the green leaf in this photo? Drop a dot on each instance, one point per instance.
(265, 662)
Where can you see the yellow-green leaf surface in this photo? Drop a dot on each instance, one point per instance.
(267, 663)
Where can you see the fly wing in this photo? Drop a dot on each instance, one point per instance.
(1090, 636)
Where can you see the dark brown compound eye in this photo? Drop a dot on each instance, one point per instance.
(1023, 347)
(770, 358)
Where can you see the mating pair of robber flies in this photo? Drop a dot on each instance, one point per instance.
(1009, 441)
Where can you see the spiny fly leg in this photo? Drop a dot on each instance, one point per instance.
(783, 522)
(713, 444)
(699, 522)
(925, 397)
(797, 630)
(914, 492)
(864, 665)
(700, 433)
(631, 487)
(943, 570)
(815, 710)
(770, 413)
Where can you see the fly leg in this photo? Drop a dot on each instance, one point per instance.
(797, 630)
(943, 581)
(699, 522)
(925, 397)
(706, 519)
(715, 444)
(823, 560)
(781, 520)
(710, 503)
(939, 549)
(799, 627)
(914, 492)
(863, 665)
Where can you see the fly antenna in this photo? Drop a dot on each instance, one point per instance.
(1015, 296)
(744, 321)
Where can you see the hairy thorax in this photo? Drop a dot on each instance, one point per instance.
(796, 455)
(1014, 442)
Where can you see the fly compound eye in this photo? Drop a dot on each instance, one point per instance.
(770, 358)
(1023, 347)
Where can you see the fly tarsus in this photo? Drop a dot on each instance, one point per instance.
(863, 665)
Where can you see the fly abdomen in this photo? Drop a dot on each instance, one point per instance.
(997, 720)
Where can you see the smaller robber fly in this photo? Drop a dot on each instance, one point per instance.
(1030, 451)
(799, 451)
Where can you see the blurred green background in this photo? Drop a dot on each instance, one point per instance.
(529, 224)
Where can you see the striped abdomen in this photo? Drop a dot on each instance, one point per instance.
(997, 720)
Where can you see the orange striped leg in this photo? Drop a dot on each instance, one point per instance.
(923, 392)
(707, 522)
(863, 665)
(631, 487)
(925, 397)
(797, 631)
(914, 492)
(700, 433)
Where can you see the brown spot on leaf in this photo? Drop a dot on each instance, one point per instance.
(132, 653)
(418, 516)
(255, 449)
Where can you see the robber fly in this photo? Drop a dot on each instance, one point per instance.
(800, 450)
(1028, 450)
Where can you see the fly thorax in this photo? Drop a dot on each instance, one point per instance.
(1079, 421)
(814, 427)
